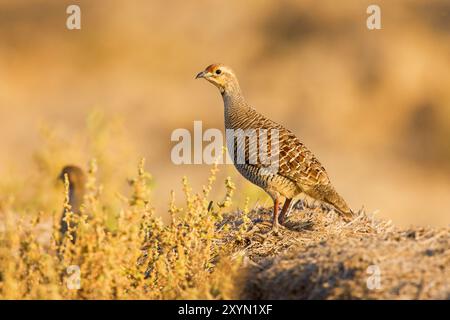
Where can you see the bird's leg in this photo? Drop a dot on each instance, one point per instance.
(275, 224)
(275, 214)
(285, 210)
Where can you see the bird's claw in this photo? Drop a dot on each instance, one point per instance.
(275, 231)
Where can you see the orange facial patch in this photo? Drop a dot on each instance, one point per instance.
(211, 67)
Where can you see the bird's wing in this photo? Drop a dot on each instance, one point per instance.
(295, 161)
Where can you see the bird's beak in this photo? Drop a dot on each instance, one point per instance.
(201, 75)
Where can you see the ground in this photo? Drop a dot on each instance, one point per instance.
(319, 256)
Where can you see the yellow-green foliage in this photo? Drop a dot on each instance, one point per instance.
(139, 258)
(181, 259)
(123, 250)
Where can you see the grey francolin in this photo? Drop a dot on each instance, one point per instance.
(297, 170)
(77, 182)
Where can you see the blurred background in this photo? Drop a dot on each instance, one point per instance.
(374, 106)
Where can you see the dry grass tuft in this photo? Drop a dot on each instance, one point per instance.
(319, 256)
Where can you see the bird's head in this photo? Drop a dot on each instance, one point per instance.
(74, 174)
(221, 76)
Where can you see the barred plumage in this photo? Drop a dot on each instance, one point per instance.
(298, 170)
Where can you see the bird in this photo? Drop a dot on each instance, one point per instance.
(297, 171)
(77, 182)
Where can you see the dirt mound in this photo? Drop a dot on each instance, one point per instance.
(319, 256)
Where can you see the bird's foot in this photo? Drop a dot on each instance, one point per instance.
(276, 230)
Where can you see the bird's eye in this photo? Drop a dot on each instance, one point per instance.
(218, 71)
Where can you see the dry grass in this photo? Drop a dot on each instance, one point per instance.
(319, 256)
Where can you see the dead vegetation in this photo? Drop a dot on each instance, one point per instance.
(319, 256)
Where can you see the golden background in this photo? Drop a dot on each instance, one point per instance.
(374, 106)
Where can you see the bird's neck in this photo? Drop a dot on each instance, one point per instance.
(233, 100)
(76, 197)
